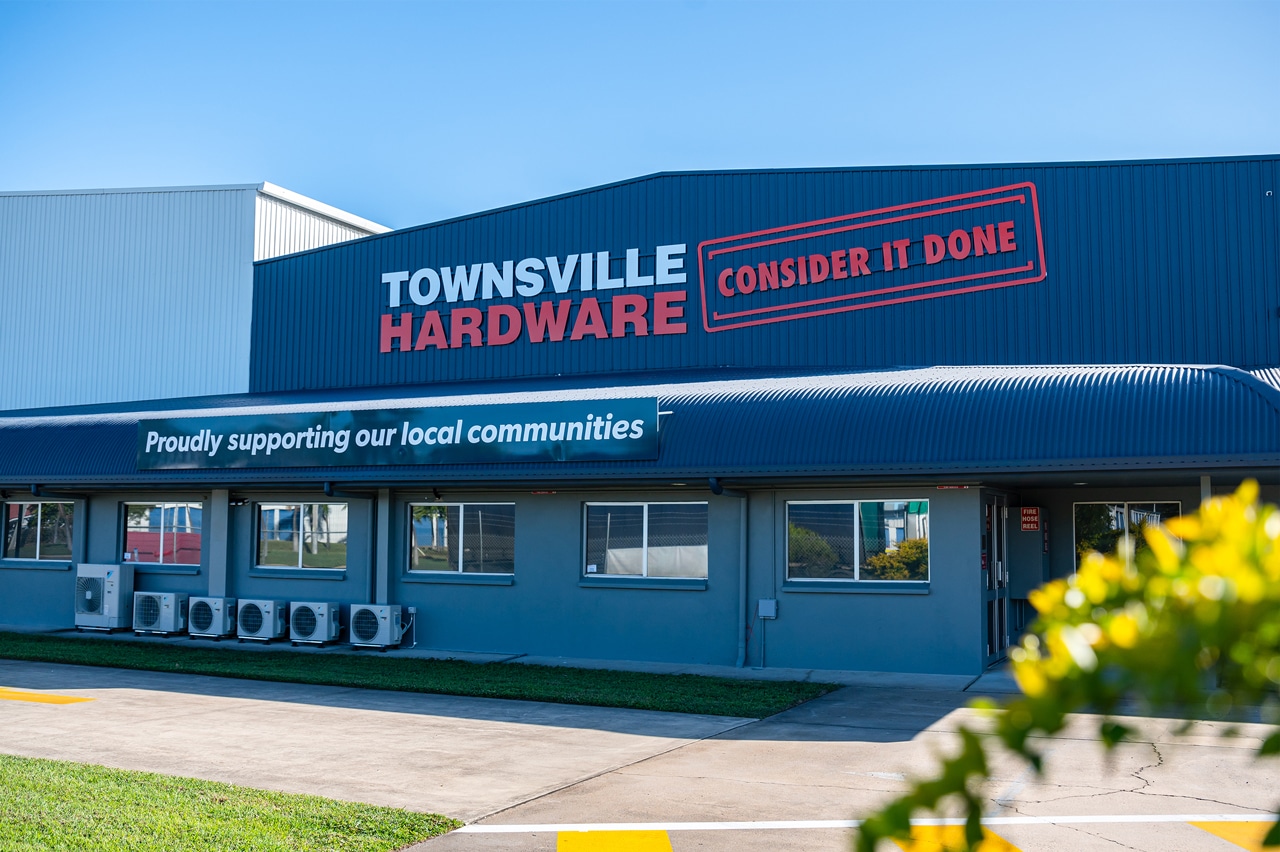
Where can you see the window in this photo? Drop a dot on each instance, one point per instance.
(162, 533)
(38, 530)
(302, 535)
(869, 540)
(1111, 527)
(468, 538)
(647, 539)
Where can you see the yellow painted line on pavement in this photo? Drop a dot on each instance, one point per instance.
(613, 841)
(1246, 835)
(941, 838)
(7, 694)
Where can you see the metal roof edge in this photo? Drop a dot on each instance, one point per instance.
(1269, 393)
(227, 187)
(665, 384)
(320, 208)
(276, 478)
(807, 170)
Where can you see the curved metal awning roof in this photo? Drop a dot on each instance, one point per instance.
(931, 422)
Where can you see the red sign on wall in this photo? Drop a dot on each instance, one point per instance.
(1030, 518)
(922, 250)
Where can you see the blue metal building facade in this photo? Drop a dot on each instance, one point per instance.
(1044, 336)
(1144, 263)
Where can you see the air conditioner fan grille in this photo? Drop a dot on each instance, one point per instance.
(147, 613)
(364, 625)
(88, 594)
(251, 618)
(201, 616)
(304, 622)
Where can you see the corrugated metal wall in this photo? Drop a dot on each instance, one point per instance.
(283, 228)
(120, 295)
(114, 296)
(930, 422)
(1147, 262)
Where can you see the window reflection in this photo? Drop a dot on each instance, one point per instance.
(1109, 527)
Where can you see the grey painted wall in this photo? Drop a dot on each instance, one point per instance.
(938, 632)
(547, 609)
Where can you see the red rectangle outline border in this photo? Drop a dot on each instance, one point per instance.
(1035, 210)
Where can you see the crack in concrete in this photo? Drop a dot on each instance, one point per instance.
(1077, 828)
(1144, 790)
(1102, 837)
(1202, 799)
(1137, 773)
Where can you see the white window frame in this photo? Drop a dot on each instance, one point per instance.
(644, 533)
(163, 527)
(857, 540)
(462, 527)
(71, 545)
(300, 506)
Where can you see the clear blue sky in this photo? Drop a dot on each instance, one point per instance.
(410, 112)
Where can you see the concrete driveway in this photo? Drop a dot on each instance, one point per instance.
(529, 776)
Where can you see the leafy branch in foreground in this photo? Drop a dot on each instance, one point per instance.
(1192, 626)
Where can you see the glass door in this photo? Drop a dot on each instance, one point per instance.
(995, 577)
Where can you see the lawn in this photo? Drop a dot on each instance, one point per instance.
(50, 804)
(676, 693)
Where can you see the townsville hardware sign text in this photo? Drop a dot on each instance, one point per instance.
(598, 430)
(948, 246)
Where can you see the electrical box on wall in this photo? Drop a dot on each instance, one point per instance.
(768, 608)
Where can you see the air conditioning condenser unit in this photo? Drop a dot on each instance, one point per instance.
(261, 620)
(159, 612)
(313, 623)
(374, 626)
(103, 595)
(211, 618)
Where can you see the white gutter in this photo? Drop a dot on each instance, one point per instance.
(321, 208)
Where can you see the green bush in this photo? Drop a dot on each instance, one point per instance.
(908, 561)
(811, 551)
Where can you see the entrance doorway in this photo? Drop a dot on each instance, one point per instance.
(995, 577)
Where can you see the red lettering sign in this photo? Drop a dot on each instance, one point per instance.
(923, 250)
(625, 315)
(1030, 518)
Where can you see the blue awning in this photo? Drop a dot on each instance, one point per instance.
(931, 422)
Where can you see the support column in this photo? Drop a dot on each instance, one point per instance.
(217, 531)
(382, 564)
(1206, 488)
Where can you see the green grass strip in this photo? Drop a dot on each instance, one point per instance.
(598, 687)
(51, 804)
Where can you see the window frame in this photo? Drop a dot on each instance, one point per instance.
(462, 526)
(1124, 548)
(855, 580)
(71, 542)
(162, 505)
(644, 534)
(300, 507)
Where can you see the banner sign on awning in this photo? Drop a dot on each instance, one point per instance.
(571, 431)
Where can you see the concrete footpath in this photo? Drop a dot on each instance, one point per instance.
(526, 776)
